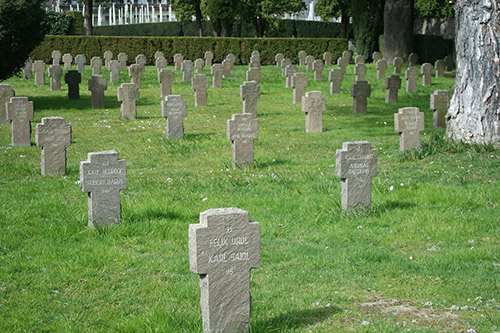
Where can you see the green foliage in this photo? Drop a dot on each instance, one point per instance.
(327, 9)
(368, 23)
(76, 27)
(222, 13)
(185, 9)
(434, 8)
(56, 23)
(190, 47)
(20, 32)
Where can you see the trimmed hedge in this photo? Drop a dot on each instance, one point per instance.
(431, 47)
(285, 28)
(190, 47)
(76, 27)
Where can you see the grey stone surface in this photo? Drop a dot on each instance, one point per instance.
(187, 70)
(335, 77)
(53, 134)
(55, 73)
(217, 72)
(122, 59)
(360, 71)
(174, 109)
(397, 62)
(166, 78)
(209, 57)
(284, 64)
(39, 68)
(97, 86)
(223, 249)
(178, 59)
(411, 76)
(20, 114)
(376, 56)
(200, 85)
(255, 53)
(302, 57)
(80, 61)
(73, 79)
(67, 60)
(6, 92)
(360, 90)
(161, 63)
(231, 57)
(56, 57)
(426, 71)
(299, 85)
(289, 71)
(392, 84)
(449, 60)
(327, 58)
(440, 67)
(199, 64)
(250, 93)
(413, 60)
(342, 63)
(381, 66)
(108, 56)
(96, 64)
(440, 102)
(159, 54)
(242, 130)
(103, 176)
(28, 66)
(409, 122)
(314, 104)
(128, 94)
(356, 164)
(254, 61)
(135, 72)
(141, 59)
(254, 74)
(347, 55)
(309, 63)
(318, 67)
(227, 65)
(359, 59)
(278, 58)
(114, 71)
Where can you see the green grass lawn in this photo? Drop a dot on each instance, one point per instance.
(425, 258)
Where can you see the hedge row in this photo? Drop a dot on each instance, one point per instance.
(428, 47)
(190, 47)
(285, 28)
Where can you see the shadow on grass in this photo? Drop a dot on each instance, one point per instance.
(295, 319)
(199, 136)
(151, 214)
(391, 205)
(60, 103)
(264, 164)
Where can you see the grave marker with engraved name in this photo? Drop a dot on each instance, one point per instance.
(174, 109)
(313, 104)
(53, 134)
(242, 130)
(20, 114)
(409, 122)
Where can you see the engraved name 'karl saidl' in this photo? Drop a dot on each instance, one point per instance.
(231, 256)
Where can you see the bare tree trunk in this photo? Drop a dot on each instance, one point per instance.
(87, 22)
(198, 20)
(344, 19)
(398, 29)
(474, 113)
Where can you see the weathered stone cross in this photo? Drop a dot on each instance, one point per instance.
(242, 130)
(53, 134)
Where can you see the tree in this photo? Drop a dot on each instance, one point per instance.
(434, 8)
(367, 22)
(87, 22)
(185, 9)
(222, 13)
(20, 33)
(474, 112)
(398, 29)
(326, 9)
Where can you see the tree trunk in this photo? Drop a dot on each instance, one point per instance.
(474, 113)
(87, 22)
(198, 19)
(344, 19)
(398, 29)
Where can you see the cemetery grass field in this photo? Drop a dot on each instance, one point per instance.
(425, 258)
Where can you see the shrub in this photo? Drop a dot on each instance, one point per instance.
(76, 27)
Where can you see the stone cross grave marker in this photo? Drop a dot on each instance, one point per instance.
(254, 61)
(39, 67)
(200, 85)
(342, 63)
(159, 54)
(327, 57)
(449, 60)
(178, 59)
(108, 56)
(166, 78)
(411, 76)
(302, 58)
(97, 86)
(67, 60)
(232, 58)
(217, 72)
(122, 59)
(309, 63)
(313, 104)
(56, 57)
(335, 77)
(223, 249)
(141, 59)
(440, 67)
(440, 102)
(426, 71)
(278, 58)
(114, 71)
(53, 134)
(392, 84)
(226, 65)
(318, 67)
(6, 92)
(103, 176)
(376, 56)
(299, 85)
(289, 71)
(381, 66)
(242, 130)
(397, 62)
(209, 57)
(96, 64)
(20, 114)
(254, 74)
(255, 53)
(284, 64)
(135, 72)
(128, 94)
(73, 79)
(355, 165)
(359, 59)
(347, 55)
(161, 63)
(187, 69)
(55, 73)
(174, 109)
(199, 64)
(80, 61)
(412, 60)
(360, 71)
(360, 90)
(27, 68)
(250, 93)
(409, 122)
